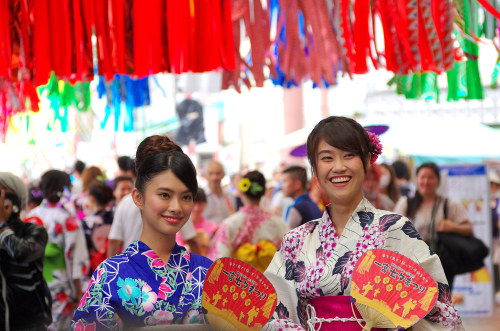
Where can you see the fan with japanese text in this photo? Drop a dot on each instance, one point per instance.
(391, 291)
(237, 296)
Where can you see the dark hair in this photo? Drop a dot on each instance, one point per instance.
(79, 166)
(53, 183)
(257, 185)
(297, 173)
(200, 196)
(121, 179)
(343, 133)
(415, 202)
(102, 193)
(89, 175)
(35, 194)
(156, 154)
(392, 188)
(125, 163)
(401, 170)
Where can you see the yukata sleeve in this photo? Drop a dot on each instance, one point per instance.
(76, 252)
(95, 311)
(222, 243)
(405, 240)
(280, 274)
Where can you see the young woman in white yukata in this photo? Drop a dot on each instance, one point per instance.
(317, 259)
(154, 280)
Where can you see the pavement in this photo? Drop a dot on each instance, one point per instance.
(484, 323)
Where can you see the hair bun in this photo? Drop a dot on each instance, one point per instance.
(154, 145)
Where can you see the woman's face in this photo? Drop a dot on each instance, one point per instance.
(166, 204)
(427, 182)
(340, 174)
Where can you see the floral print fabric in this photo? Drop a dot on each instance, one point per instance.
(137, 289)
(314, 261)
(66, 259)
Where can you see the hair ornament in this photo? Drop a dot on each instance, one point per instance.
(377, 150)
(245, 184)
(37, 193)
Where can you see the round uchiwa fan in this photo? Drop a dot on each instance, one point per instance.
(391, 291)
(237, 296)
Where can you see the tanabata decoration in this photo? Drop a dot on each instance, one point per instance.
(391, 291)
(237, 296)
(53, 38)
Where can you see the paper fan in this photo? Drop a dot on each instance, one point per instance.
(237, 296)
(391, 291)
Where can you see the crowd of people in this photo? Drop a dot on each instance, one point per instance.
(133, 250)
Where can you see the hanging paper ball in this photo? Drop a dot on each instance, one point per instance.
(391, 291)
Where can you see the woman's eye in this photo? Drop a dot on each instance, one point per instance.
(349, 155)
(325, 158)
(164, 195)
(188, 197)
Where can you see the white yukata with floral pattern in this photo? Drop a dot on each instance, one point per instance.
(313, 261)
(136, 289)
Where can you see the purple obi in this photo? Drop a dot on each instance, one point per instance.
(334, 312)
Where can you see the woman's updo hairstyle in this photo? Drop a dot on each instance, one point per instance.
(253, 185)
(156, 154)
(53, 183)
(343, 133)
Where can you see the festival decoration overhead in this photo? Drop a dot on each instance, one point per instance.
(391, 291)
(132, 37)
(237, 296)
(286, 41)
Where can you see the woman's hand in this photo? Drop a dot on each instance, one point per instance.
(447, 225)
(5, 207)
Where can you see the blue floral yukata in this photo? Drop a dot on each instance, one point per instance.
(136, 289)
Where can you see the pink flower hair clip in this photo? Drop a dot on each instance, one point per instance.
(377, 146)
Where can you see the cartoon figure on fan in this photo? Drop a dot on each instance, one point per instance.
(313, 269)
(154, 280)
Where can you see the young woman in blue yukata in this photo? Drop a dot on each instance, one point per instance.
(153, 281)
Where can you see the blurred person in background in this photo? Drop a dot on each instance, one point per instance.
(125, 167)
(25, 299)
(76, 177)
(122, 185)
(220, 203)
(494, 180)
(371, 189)
(204, 228)
(303, 209)
(81, 206)
(406, 188)
(66, 256)
(98, 224)
(35, 197)
(387, 184)
(251, 234)
(428, 206)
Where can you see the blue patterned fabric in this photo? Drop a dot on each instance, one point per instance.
(136, 288)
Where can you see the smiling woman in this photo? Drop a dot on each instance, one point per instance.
(317, 259)
(154, 281)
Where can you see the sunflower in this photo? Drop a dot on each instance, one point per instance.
(244, 184)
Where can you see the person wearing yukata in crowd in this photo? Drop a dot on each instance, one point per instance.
(317, 259)
(251, 234)
(66, 260)
(154, 280)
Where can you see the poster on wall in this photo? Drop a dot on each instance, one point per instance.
(468, 184)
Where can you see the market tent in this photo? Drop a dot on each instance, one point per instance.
(440, 139)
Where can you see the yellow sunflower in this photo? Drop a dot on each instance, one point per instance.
(244, 184)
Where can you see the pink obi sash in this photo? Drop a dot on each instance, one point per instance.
(334, 312)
